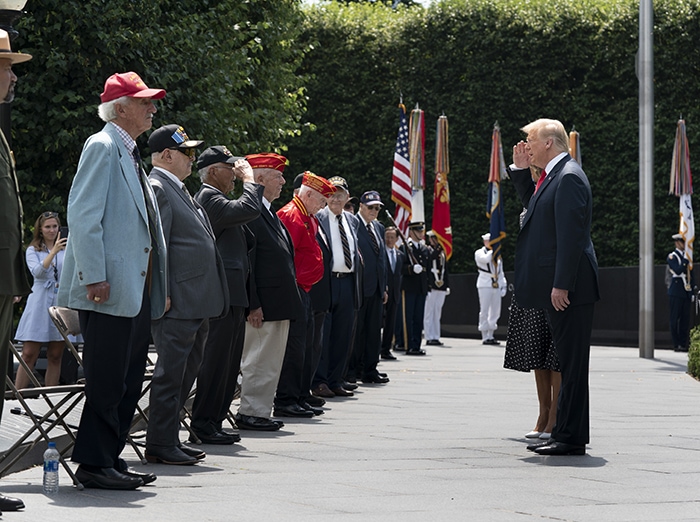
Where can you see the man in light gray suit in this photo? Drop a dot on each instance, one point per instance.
(197, 290)
(114, 274)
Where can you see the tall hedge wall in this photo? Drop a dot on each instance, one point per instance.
(511, 61)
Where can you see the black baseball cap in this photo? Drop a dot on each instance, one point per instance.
(216, 154)
(171, 137)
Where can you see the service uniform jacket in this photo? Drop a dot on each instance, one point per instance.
(678, 266)
(416, 283)
(13, 280)
(110, 238)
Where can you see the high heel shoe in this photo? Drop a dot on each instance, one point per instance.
(533, 435)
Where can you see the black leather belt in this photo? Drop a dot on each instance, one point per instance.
(341, 274)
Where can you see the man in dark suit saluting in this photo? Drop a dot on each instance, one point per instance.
(556, 269)
(218, 375)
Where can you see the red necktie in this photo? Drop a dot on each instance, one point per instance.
(539, 181)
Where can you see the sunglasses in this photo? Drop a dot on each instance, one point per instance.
(49, 214)
(191, 153)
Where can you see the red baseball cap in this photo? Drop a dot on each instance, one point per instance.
(128, 84)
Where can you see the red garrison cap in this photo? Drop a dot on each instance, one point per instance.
(267, 160)
(319, 184)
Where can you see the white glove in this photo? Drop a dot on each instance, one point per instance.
(447, 292)
(417, 268)
(504, 290)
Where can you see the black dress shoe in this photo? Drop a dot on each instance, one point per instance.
(193, 452)
(349, 386)
(123, 468)
(381, 374)
(351, 379)
(313, 409)
(375, 379)
(416, 351)
(342, 392)
(10, 503)
(434, 342)
(314, 401)
(386, 354)
(535, 445)
(219, 437)
(248, 422)
(292, 410)
(322, 390)
(174, 456)
(399, 348)
(561, 448)
(106, 478)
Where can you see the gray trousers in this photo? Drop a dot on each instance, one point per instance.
(180, 347)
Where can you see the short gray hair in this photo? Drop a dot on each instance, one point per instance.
(107, 111)
(203, 173)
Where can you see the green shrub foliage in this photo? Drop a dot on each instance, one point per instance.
(229, 69)
(506, 61)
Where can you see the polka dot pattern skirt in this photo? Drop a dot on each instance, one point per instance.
(529, 344)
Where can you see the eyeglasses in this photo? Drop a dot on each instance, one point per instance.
(191, 153)
(49, 214)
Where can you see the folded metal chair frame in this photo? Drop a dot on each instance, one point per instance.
(43, 426)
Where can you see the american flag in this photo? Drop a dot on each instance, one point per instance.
(401, 175)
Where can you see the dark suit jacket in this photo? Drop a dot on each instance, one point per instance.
(273, 283)
(394, 278)
(196, 278)
(321, 292)
(228, 218)
(14, 273)
(374, 278)
(554, 247)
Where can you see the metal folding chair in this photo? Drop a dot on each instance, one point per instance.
(65, 399)
(68, 323)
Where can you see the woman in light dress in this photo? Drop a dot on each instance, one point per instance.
(45, 261)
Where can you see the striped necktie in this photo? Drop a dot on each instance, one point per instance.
(344, 241)
(375, 245)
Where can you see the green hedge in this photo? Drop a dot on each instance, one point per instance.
(229, 68)
(511, 61)
(694, 353)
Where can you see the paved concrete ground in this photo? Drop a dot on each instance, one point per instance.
(443, 441)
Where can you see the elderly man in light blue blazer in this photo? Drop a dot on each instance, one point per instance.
(114, 274)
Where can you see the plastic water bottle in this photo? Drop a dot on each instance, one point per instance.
(51, 469)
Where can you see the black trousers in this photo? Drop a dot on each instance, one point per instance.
(291, 385)
(679, 312)
(571, 331)
(367, 343)
(218, 375)
(114, 360)
(337, 333)
(389, 324)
